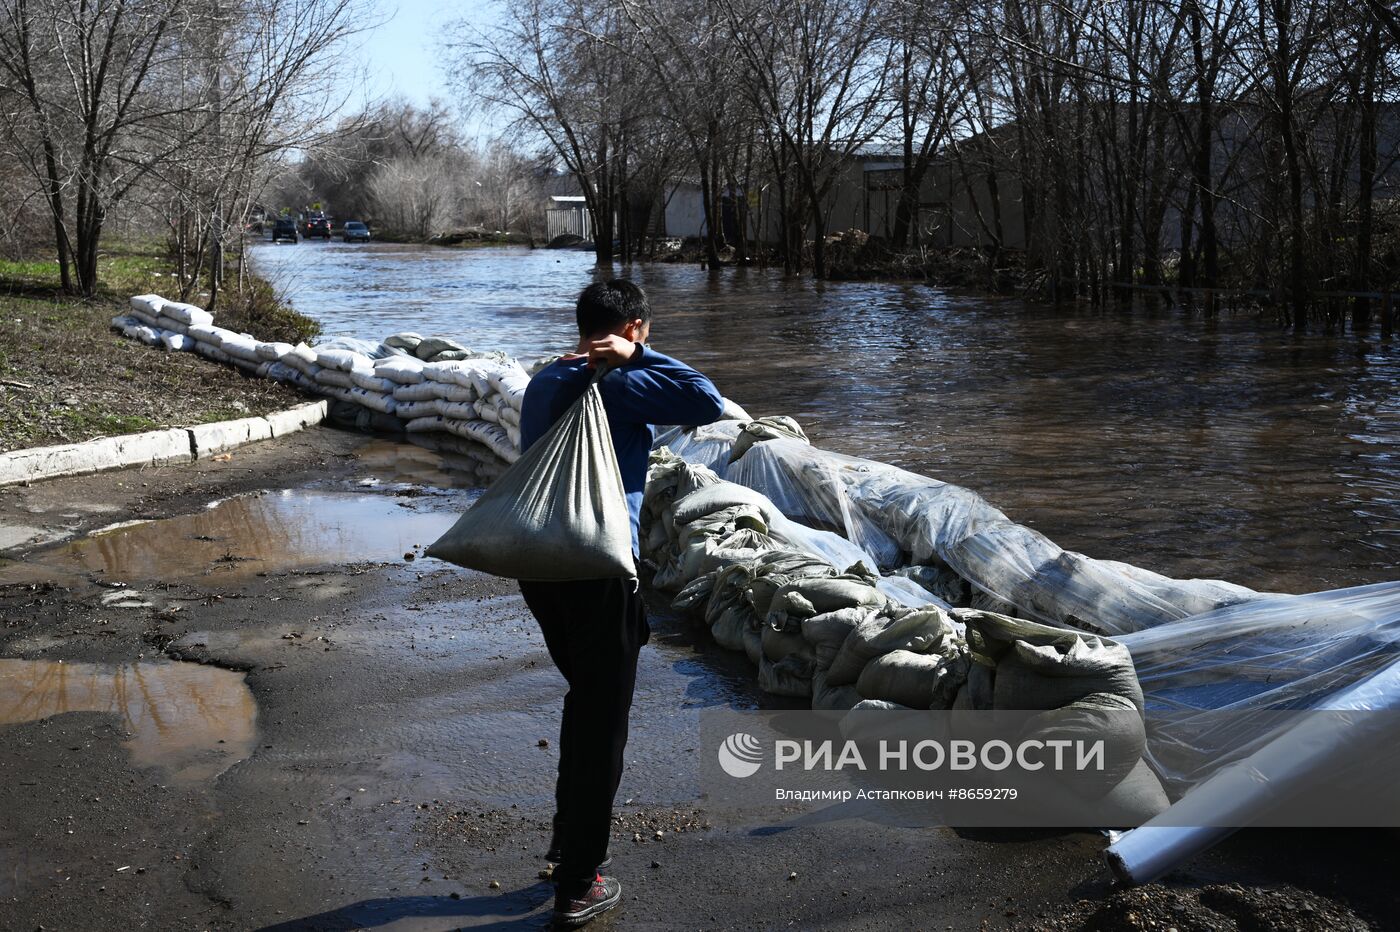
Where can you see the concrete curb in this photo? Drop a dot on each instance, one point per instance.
(154, 448)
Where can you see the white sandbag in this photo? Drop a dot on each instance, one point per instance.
(369, 380)
(241, 347)
(513, 435)
(187, 314)
(406, 340)
(219, 334)
(144, 316)
(510, 385)
(457, 410)
(510, 417)
(766, 428)
(171, 324)
(273, 352)
(176, 342)
(303, 359)
(132, 328)
(205, 333)
(424, 425)
(335, 378)
(210, 351)
(457, 372)
(559, 513)
(146, 304)
(342, 360)
(428, 347)
(450, 391)
(487, 412)
(419, 391)
(403, 370)
(375, 401)
(413, 410)
(281, 372)
(496, 439)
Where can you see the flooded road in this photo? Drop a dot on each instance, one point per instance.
(1196, 447)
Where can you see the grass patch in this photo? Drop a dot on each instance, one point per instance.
(66, 376)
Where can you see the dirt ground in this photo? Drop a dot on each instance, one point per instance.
(381, 755)
(66, 376)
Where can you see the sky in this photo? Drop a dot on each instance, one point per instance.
(403, 53)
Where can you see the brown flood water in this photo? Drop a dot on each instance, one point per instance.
(191, 721)
(1220, 447)
(238, 537)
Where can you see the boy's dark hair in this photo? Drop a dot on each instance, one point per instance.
(604, 306)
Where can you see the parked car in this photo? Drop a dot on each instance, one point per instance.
(318, 228)
(309, 220)
(355, 231)
(284, 228)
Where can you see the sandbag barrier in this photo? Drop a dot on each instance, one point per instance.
(839, 634)
(421, 386)
(831, 527)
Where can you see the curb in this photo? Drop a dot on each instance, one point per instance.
(154, 448)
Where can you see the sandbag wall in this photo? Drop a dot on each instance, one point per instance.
(987, 560)
(844, 637)
(425, 387)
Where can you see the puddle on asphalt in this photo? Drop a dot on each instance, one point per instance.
(191, 721)
(239, 537)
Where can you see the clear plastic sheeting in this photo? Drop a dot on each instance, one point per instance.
(1282, 652)
(901, 518)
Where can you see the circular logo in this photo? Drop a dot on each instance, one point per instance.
(741, 755)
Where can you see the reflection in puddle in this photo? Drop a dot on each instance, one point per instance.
(192, 721)
(432, 460)
(242, 536)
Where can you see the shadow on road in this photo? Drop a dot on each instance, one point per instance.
(509, 911)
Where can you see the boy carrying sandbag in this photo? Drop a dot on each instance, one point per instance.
(595, 628)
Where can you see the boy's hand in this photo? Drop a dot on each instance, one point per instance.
(613, 350)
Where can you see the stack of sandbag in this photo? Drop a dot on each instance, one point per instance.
(158, 322)
(476, 398)
(901, 518)
(1085, 686)
(769, 587)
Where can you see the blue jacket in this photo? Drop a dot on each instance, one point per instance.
(651, 389)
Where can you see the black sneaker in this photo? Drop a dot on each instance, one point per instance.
(602, 895)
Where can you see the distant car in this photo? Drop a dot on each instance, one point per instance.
(318, 228)
(355, 231)
(284, 228)
(308, 220)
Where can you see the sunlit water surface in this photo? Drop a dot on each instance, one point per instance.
(1198, 447)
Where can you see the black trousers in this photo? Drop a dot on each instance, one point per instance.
(594, 630)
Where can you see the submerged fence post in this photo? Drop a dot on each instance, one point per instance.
(1387, 314)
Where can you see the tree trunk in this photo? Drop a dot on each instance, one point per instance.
(1361, 310)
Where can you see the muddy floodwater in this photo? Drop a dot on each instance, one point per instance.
(1219, 447)
(192, 722)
